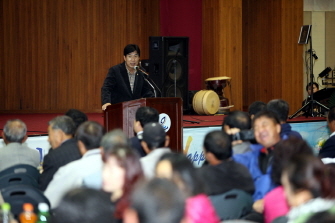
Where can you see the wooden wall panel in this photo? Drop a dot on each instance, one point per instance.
(222, 44)
(55, 54)
(272, 59)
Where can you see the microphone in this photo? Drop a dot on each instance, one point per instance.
(325, 72)
(139, 69)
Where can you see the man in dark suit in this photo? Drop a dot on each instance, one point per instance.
(123, 82)
(64, 148)
(143, 116)
(328, 149)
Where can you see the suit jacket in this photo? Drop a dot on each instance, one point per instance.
(328, 149)
(16, 153)
(116, 87)
(67, 152)
(136, 145)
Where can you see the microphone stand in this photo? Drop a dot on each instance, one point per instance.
(312, 101)
(175, 72)
(149, 81)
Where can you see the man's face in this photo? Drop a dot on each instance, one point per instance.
(132, 59)
(267, 132)
(54, 137)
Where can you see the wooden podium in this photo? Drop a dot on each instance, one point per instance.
(122, 115)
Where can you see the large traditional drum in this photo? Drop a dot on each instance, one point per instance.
(218, 84)
(206, 102)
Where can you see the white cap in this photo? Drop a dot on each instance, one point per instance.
(43, 207)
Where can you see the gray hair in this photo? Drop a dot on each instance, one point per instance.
(112, 139)
(64, 123)
(15, 130)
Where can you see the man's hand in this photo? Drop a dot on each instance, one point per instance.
(233, 131)
(105, 106)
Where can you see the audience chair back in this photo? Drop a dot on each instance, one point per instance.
(19, 178)
(233, 204)
(22, 168)
(17, 195)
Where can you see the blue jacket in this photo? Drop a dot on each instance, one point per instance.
(286, 129)
(263, 182)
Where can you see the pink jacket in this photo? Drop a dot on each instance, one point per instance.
(275, 204)
(199, 209)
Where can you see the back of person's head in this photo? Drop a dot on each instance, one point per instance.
(266, 114)
(146, 115)
(183, 173)
(280, 107)
(77, 116)
(90, 134)
(15, 131)
(237, 119)
(112, 139)
(331, 114)
(127, 159)
(83, 205)
(131, 48)
(219, 144)
(284, 151)
(63, 123)
(154, 135)
(307, 173)
(256, 107)
(158, 200)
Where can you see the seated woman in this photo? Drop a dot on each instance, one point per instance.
(309, 88)
(307, 187)
(275, 203)
(122, 170)
(179, 169)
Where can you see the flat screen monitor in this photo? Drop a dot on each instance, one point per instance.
(304, 34)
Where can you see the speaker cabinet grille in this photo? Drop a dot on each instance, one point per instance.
(169, 66)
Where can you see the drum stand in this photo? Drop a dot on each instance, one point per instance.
(312, 101)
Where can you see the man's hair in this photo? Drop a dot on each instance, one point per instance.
(268, 114)
(90, 134)
(146, 114)
(331, 114)
(80, 205)
(112, 139)
(256, 107)
(314, 83)
(15, 130)
(131, 48)
(158, 200)
(280, 107)
(77, 116)
(237, 119)
(63, 123)
(219, 144)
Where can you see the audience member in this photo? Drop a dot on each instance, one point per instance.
(155, 143)
(328, 149)
(83, 205)
(121, 171)
(64, 148)
(267, 133)
(223, 173)
(256, 107)
(307, 188)
(307, 110)
(242, 122)
(158, 200)
(275, 203)
(179, 169)
(71, 175)
(143, 116)
(77, 116)
(16, 152)
(281, 108)
(109, 141)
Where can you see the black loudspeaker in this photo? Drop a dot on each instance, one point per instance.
(169, 65)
